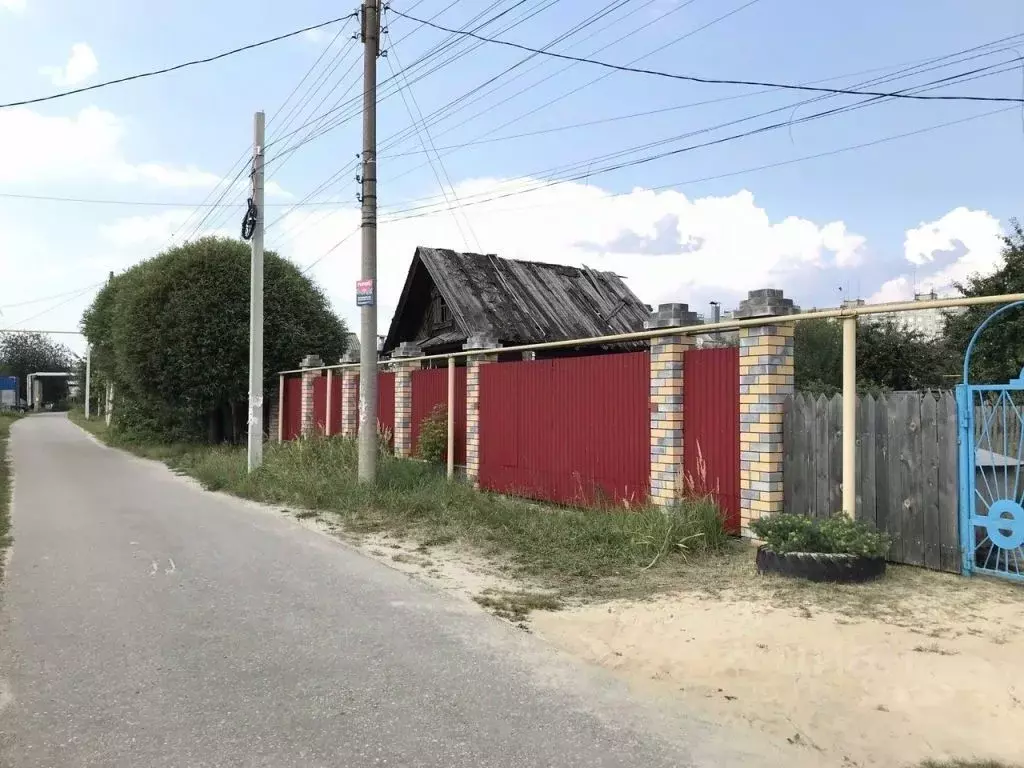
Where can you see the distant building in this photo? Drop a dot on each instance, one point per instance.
(930, 322)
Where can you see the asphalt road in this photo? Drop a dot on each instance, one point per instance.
(144, 622)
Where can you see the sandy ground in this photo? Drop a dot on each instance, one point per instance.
(858, 692)
(920, 666)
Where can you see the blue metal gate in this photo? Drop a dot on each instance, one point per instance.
(991, 423)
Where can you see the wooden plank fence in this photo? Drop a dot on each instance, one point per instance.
(906, 469)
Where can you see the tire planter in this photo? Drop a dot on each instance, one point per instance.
(814, 566)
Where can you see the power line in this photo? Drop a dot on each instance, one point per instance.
(176, 67)
(710, 80)
(58, 305)
(415, 213)
(588, 163)
(144, 203)
(49, 298)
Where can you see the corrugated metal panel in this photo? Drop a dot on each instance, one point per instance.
(386, 403)
(430, 388)
(711, 426)
(572, 430)
(292, 410)
(320, 404)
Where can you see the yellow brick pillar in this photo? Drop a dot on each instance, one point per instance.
(473, 435)
(349, 402)
(311, 371)
(766, 380)
(667, 368)
(403, 397)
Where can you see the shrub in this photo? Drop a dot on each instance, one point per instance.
(836, 535)
(433, 442)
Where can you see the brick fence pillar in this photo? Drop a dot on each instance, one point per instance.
(350, 395)
(766, 380)
(310, 373)
(403, 397)
(473, 365)
(667, 356)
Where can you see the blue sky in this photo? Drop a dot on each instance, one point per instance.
(920, 211)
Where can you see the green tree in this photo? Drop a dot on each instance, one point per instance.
(999, 353)
(25, 353)
(889, 357)
(172, 334)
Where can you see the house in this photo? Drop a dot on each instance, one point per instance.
(450, 296)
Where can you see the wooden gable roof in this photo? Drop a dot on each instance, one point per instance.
(516, 302)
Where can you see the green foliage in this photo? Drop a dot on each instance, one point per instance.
(172, 334)
(890, 357)
(999, 353)
(25, 353)
(433, 440)
(5, 486)
(836, 535)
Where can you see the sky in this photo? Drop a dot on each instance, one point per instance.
(537, 158)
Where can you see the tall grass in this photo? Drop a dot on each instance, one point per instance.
(568, 549)
(5, 487)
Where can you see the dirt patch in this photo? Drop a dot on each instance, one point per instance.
(838, 677)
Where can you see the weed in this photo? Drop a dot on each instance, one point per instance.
(433, 439)
(305, 514)
(5, 487)
(516, 606)
(934, 648)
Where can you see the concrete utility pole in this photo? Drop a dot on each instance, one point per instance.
(256, 301)
(366, 292)
(88, 381)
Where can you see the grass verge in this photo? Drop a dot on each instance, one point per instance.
(5, 487)
(570, 552)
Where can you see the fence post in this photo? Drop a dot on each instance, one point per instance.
(350, 395)
(279, 424)
(473, 364)
(310, 372)
(766, 380)
(403, 397)
(666, 382)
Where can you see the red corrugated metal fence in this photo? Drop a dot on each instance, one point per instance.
(292, 410)
(386, 403)
(711, 426)
(430, 388)
(572, 430)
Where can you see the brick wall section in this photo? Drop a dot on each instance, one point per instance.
(766, 380)
(274, 416)
(667, 402)
(403, 409)
(473, 365)
(403, 397)
(308, 422)
(667, 417)
(349, 402)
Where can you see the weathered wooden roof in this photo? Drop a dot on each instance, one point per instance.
(521, 302)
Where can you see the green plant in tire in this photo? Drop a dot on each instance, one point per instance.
(433, 441)
(838, 534)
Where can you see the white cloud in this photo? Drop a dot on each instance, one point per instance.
(81, 65)
(668, 247)
(972, 237)
(15, 6)
(40, 148)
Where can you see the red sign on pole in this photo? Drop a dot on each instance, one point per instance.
(364, 293)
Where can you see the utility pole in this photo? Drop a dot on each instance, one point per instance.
(255, 219)
(366, 291)
(88, 381)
